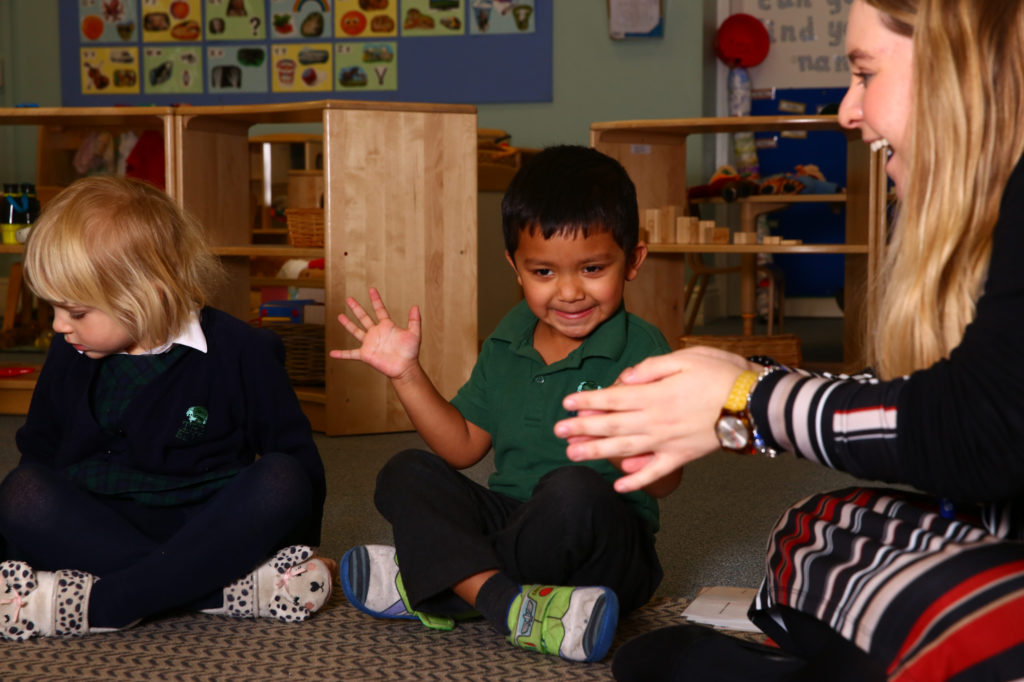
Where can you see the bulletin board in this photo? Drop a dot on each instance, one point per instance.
(216, 52)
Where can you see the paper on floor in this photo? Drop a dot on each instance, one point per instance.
(724, 607)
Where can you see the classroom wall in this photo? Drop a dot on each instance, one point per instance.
(31, 73)
(595, 78)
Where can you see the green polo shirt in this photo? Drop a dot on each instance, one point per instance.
(517, 398)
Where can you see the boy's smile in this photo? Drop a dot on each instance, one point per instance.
(572, 284)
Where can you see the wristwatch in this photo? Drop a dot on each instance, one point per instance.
(735, 427)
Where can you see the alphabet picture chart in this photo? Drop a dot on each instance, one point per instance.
(300, 19)
(366, 66)
(237, 68)
(366, 18)
(301, 68)
(107, 21)
(110, 70)
(172, 69)
(171, 52)
(171, 21)
(500, 16)
(235, 20)
(432, 17)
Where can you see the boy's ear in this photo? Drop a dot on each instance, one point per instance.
(512, 262)
(635, 260)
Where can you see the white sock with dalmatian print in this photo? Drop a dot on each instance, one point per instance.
(43, 603)
(290, 587)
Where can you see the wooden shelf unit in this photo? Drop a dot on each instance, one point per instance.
(654, 153)
(400, 201)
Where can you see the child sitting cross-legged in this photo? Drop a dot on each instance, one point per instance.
(165, 461)
(548, 553)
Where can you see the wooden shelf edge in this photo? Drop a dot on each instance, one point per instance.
(267, 251)
(847, 249)
(837, 198)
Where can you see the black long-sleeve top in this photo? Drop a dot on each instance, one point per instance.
(955, 429)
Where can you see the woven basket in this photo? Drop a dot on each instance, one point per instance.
(305, 227)
(304, 352)
(783, 348)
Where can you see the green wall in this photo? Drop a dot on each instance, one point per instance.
(595, 78)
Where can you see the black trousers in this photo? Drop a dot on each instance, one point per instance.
(574, 530)
(155, 559)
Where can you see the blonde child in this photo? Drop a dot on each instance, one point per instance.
(165, 462)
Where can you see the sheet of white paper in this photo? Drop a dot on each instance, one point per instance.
(724, 607)
(632, 16)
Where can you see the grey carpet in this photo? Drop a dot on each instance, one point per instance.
(339, 643)
(713, 533)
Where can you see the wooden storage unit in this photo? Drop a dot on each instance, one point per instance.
(654, 154)
(400, 202)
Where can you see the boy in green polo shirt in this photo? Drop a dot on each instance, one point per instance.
(549, 553)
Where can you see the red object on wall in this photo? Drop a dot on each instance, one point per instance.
(742, 40)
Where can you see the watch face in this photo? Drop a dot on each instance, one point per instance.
(733, 434)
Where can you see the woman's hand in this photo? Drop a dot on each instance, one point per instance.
(665, 407)
(386, 347)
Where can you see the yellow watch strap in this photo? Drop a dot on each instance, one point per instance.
(740, 393)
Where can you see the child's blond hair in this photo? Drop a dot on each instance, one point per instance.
(125, 248)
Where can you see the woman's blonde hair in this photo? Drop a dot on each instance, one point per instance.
(125, 248)
(966, 133)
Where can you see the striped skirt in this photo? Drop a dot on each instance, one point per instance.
(933, 598)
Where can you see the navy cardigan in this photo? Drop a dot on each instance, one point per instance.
(210, 412)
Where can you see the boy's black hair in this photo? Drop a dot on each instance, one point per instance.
(568, 189)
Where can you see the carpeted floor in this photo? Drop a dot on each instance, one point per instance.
(339, 643)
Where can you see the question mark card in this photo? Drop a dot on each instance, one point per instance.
(235, 20)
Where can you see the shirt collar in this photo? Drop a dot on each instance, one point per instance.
(608, 340)
(192, 336)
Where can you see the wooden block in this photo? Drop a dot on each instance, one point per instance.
(744, 238)
(666, 223)
(771, 239)
(792, 242)
(687, 229)
(648, 218)
(720, 235)
(706, 232)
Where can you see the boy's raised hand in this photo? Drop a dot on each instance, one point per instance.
(388, 348)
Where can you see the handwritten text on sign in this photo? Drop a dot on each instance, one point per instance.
(808, 42)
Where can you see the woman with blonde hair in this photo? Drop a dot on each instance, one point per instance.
(869, 583)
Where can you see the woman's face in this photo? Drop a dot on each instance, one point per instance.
(878, 101)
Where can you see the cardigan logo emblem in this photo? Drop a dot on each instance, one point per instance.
(194, 424)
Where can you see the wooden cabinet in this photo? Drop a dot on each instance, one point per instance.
(400, 215)
(654, 153)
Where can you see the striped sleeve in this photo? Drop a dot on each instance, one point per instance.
(843, 422)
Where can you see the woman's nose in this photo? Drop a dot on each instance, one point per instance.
(850, 113)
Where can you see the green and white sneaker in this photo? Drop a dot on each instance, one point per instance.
(372, 583)
(577, 623)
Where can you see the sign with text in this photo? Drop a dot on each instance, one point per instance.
(808, 42)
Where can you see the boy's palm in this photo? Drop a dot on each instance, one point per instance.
(388, 348)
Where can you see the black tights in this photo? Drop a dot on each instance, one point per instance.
(154, 559)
